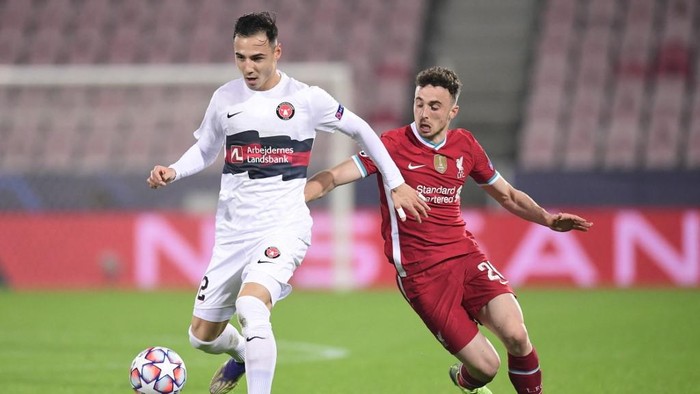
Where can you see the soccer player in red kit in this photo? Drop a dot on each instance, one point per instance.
(441, 270)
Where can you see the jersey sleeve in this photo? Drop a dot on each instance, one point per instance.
(210, 124)
(332, 116)
(210, 139)
(364, 163)
(327, 111)
(482, 171)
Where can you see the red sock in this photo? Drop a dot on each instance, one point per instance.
(467, 381)
(525, 374)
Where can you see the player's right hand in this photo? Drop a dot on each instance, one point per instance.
(160, 176)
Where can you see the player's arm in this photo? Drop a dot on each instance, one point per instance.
(402, 195)
(324, 181)
(195, 159)
(520, 204)
(210, 139)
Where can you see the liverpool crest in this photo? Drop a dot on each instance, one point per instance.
(460, 167)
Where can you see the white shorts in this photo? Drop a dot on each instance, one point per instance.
(269, 261)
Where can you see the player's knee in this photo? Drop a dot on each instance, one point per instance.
(482, 366)
(516, 340)
(254, 317)
(484, 371)
(199, 344)
(489, 367)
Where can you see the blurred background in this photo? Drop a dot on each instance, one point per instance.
(590, 106)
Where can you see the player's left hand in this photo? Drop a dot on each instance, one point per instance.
(406, 197)
(566, 222)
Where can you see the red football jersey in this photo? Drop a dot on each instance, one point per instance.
(438, 172)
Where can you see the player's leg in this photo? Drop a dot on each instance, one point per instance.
(218, 338)
(503, 316)
(254, 309)
(265, 281)
(436, 295)
(479, 363)
(210, 330)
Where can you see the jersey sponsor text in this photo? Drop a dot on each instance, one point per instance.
(439, 194)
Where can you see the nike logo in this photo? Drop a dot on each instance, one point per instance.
(264, 262)
(415, 167)
(233, 114)
(251, 338)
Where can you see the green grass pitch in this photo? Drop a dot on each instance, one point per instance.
(589, 341)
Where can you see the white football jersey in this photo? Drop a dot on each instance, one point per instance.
(267, 138)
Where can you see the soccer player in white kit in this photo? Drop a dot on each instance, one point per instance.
(266, 122)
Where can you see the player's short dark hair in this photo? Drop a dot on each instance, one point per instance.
(256, 22)
(441, 77)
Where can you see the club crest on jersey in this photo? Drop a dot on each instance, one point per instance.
(460, 167)
(285, 110)
(440, 163)
(272, 252)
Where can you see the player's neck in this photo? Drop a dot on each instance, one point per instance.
(274, 81)
(436, 139)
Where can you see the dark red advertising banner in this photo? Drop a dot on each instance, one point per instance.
(626, 247)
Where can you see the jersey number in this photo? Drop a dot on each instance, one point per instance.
(492, 272)
(205, 284)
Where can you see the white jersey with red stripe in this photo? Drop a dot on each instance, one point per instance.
(267, 138)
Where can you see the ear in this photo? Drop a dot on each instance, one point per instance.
(453, 112)
(277, 51)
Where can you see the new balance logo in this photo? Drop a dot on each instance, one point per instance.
(415, 167)
(233, 114)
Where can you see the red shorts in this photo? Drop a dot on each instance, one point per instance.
(449, 296)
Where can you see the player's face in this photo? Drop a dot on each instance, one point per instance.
(257, 59)
(433, 109)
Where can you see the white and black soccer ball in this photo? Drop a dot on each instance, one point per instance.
(158, 370)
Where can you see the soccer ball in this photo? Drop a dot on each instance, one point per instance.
(158, 370)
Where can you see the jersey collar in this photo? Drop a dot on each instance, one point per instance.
(425, 142)
(272, 91)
